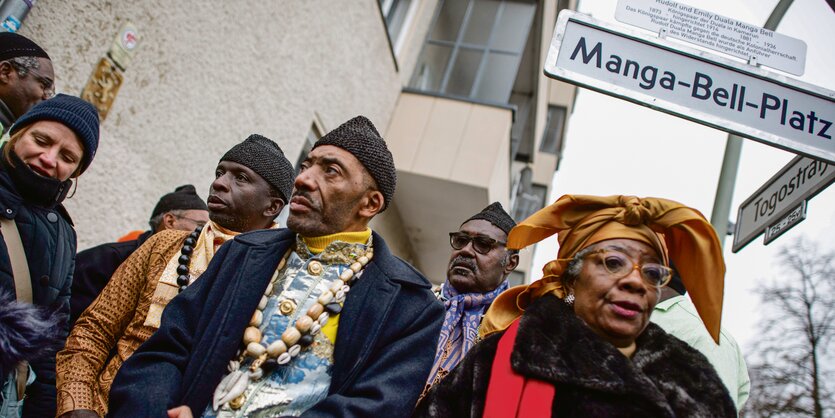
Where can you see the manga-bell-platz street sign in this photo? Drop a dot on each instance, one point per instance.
(670, 77)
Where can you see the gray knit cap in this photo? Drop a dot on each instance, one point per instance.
(263, 156)
(359, 137)
(495, 214)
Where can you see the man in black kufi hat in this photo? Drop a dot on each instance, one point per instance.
(319, 319)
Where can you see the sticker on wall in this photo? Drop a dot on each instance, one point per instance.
(124, 46)
(102, 87)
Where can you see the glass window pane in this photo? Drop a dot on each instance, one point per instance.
(497, 81)
(449, 20)
(463, 72)
(395, 15)
(430, 69)
(552, 138)
(481, 21)
(513, 26)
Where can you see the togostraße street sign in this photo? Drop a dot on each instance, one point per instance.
(781, 196)
(692, 84)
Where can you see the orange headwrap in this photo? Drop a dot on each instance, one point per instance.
(688, 240)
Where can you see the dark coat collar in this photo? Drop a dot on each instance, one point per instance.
(11, 200)
(554, 345)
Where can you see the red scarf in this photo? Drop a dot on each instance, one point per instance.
(510, 394)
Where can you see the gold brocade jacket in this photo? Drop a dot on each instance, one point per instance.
(116, 319)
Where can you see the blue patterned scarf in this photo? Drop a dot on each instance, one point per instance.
(463, 316)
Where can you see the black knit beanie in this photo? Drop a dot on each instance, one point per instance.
(13, 45)
(182, 198)
(72, 112)
(263, 156)
(359, 137)
(495, 214)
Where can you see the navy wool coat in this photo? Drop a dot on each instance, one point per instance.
(384, 348)
(49, 244)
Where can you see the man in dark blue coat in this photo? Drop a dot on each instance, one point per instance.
(320, 320)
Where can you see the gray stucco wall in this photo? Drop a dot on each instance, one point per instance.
(206, 75)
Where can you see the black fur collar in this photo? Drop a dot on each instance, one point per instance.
(554, 345)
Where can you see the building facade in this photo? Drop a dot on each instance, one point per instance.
(455, 87)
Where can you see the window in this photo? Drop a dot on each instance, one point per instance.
(552, 137)
(395, 12)
(474, 48)
(529, 197)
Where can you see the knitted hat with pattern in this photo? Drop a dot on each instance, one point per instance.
(13, 45)
(182, 198)
(72, 112)
(495, 214)
(263, 156)
(359, 137)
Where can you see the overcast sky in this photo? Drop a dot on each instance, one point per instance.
(616, 147)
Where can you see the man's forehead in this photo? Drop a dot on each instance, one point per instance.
(483, 227)
(331, 152)
(45, 67)
(233, 166)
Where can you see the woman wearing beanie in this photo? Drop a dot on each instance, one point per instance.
(51, 144)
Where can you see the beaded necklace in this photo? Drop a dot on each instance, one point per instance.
(185, 259)
(295, 338)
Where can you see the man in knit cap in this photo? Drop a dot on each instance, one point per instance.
(26, 77)
(476, 275)
(253, 181)
(318, 319)
(181, 209)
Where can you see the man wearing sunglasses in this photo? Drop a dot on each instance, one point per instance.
(477, 272)
(26, 77)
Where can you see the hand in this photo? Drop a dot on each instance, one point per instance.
(80, 413)
(180, 412)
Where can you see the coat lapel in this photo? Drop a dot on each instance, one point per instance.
(369, 302)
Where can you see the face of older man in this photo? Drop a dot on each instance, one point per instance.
(470, 271)
(21, 92)
(332, 193)
(616, 309)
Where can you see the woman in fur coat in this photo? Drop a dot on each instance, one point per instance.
(578, 342)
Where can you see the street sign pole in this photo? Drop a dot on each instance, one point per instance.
(719, 218)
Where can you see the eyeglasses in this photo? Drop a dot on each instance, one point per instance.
(481, 244)
(47, 84)
(195, 221)
(619, 265)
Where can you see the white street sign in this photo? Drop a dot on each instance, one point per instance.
(793, 218)
(799, 180)
(716, 32)
(694, 85)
